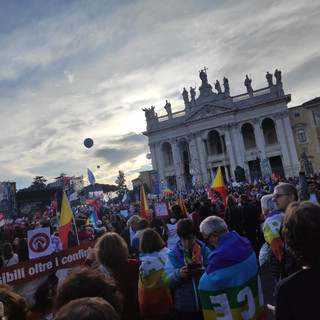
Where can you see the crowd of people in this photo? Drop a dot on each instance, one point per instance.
(199, 264)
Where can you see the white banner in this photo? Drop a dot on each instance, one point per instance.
(39, 243)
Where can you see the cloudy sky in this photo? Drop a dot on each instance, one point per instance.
(70, 70)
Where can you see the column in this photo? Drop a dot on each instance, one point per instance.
(291, 143)
(194, 162)
(201, 158)
(259, 137)
(230, 151)
(177, 163)
(238, 144)
(158, 159)
(281, 134)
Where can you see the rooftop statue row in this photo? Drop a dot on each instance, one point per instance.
(207, 95)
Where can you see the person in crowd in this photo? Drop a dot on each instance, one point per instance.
(195, 215)
(22, 250)
(154, 298)
(230, 287)
(297, 296)
(87, 309)
(115, 226)
(129, 233)
(142, 225)
(251, 222)
(174, 217)
(234, 215)
(84, 235)
(271, 232)
(183, 270)
(283, 195)
(86, 283)
(112, 252)
(14, 307)
(9, 258)
(56, 242)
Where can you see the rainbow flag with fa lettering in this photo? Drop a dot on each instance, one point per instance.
(230, 287)
(154, 298)
(271, 232)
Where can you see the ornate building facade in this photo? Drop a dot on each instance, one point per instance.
(215, 129)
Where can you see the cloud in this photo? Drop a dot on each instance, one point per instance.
(74, 69)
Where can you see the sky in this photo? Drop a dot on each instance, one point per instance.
(71, 70)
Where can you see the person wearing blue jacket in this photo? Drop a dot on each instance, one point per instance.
(182, 272)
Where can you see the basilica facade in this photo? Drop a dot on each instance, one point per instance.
(250, 132)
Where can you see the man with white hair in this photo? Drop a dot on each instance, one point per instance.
(230, 288)
(129, 233)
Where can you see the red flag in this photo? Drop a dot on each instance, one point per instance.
(218, 185)
(144, 210)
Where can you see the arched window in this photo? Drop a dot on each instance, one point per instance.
(248, 136)
(269, 132)
(214, 143)
(167, 154)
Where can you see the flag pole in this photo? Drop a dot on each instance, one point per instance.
(74, 222)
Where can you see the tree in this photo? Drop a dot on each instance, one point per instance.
(122, 187)
(39, 182)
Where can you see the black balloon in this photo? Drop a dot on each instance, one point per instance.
(88, 142)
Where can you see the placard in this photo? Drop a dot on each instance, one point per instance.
(161, 210)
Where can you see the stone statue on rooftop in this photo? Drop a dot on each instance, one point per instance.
(247, 83)
(168, 107)
(185, 95)
(203, 75)
(193, 93)
(277, 75)
(149, 113)
(269, 79)
(217, 86)
(226, 85)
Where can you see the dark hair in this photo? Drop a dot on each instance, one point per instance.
(143, 224)
(87, 309)
(7, 251)
(87, 283)
(111, 250)
(231, 202)
(301, 227)
(196, 205)
(15, 304)
(151, 241)
(117, 226)
(186, 227)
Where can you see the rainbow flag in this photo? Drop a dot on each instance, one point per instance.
(218, 185)
(93, 219)
(271, 232)
(144, 210)
(230, 287)
(154, 298)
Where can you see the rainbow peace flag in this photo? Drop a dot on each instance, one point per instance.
(271, 229)
(154, 297)
(230, 288)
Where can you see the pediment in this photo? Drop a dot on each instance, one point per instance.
(207, 111)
